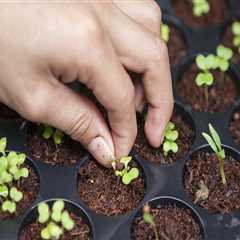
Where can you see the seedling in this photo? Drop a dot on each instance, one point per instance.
(149, 219)
(215, 143)
(11, 173)
(127, 174)
(56, 134)
(55, 220)
(170, 137)
(165, 32)
(236, 34)
(200, 7)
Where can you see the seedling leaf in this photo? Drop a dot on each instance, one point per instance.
(43, 213)
(67, 221)
(3, 144)
(9, 206)
(130, 176)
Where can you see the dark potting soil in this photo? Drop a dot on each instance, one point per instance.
(176, 45)
(155, 155)
(218, 11)
(67, 153)
(221, 94)
(235, 127)
(30, 188)
(171, 222)
(105, 193)
(227, 40)
(205, 167)
(81, 231)
(7, 113)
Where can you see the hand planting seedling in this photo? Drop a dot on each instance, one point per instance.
(127, 174)
(170, 137)
(215, 143)
(11, 173)
(56, 134)
(55, 221)
(200, 7)
(236, 35)
(149, 219)
(165, 32)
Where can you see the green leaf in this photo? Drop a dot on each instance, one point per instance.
(15, 195)
(212, 61)
(3, 191)
(3, 145)
(9, 206)
(45, 234)
(22, 172)
(236, 28)
(236, 41)
(67, 221)
(126, 161)
(21, 158)
(215, 137)
(223, 64)
(3, 164)
(57, 209)
(224, 52)
(13, 169)
(5, 177)
(201, 62)
(165, 32)
(12, 158)
(47, 132)
(210, 142)
(170, 126)
(130, 176)
(54, 230)
(148, 218)
(58, 137)
(172, 135)
(204, 79)
(43, 212)
(119, 173)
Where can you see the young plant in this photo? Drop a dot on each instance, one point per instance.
(11, 172)
(200, 7)
(56, 134)
(165, 32)
(170, 137)
(215, 143)
(55, 220)
(236, 35)
(127, 174)
(149, 219)
(224, 54)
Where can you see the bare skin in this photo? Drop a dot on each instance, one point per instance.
(46, 44)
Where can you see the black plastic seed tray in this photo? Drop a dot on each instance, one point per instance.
(164, 183)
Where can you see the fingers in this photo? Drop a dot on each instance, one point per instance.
(151, 60)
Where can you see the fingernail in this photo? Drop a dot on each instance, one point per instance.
(100, 150)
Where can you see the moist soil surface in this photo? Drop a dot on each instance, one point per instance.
(67, 153)
(81, 231)
(205, 167)
(30, 188)
(221, 94)
(7, 113)
(105, 193)
(155, 155)
(218, 11)
(227, 40)
(176, 45)
(235, 127)
(171, 222)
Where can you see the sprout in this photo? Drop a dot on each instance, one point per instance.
(200, 7)
(215, 143)
(236, 34)
(149, 219)
(224, 54)
(170, 136)
(56, 220)
(56, 134)
(165, 32)
(10, 172)
(127, 174)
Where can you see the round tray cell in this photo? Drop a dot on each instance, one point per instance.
(29, 187)
(67, 153)
(177, 44)
(173, 218)
(219, 10)
(30, 228)
(104, 192)
(222, 94)
(186, 129)
(234, 127)
(202, 174)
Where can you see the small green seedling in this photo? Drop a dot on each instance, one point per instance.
(56, 134)
(55, 220)
(170, 137)
(200, 7)
(236, 34)
(165, 32)
(11, 173)
(127, 174)
(224, 55)
(149, 219)
(215, 143)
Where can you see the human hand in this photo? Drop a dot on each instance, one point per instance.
(44, 45)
